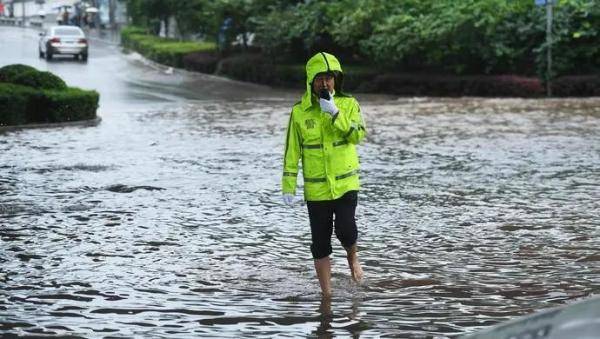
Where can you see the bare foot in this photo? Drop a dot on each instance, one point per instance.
(353, 263)
(323, 268)
(325, 308)
(355, 269)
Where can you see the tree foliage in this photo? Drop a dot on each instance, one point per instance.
(449, 36)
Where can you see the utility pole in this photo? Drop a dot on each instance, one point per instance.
(549, 43)
(23, 12)
(111, 13)
(548, 4)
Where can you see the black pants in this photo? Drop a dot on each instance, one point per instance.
(321, 215)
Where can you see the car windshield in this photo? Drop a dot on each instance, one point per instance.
(67, 31)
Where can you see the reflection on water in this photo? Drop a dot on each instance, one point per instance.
(167, 222)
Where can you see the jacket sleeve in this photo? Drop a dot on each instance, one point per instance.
(351, 123)
(291, 156)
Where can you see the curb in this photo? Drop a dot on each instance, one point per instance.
(82, 123)
(105, 36)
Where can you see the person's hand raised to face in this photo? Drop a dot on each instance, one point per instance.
(325, 81)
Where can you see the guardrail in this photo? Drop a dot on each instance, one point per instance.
(36, 23)
(30, 21)
(11, 21)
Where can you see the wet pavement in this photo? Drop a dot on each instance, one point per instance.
(165, 220)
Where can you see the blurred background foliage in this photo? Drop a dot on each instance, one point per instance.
(432, 36)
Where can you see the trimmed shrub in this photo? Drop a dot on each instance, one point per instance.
(16, 104)
(501, 86)
(40, 80)
(260, 69)
(290, 75)
(71, 104)
(204, 62)
(45, 99)
(130, 30)
(128, 33)
(9, 72)
(429, 85)
(356, 76)
(248, 67)
(171, 52)
(576, 86)
(165, 51)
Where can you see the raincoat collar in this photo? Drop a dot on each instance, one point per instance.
(319, 63)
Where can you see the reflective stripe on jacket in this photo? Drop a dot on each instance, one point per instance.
(326, 145)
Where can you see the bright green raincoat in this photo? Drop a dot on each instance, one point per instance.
(325, 144)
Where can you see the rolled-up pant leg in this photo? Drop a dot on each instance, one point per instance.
(320, 214)
(345, 221)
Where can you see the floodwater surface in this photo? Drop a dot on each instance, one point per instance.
(168, 222)
(166, 219)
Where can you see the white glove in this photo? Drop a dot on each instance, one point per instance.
(329, 106)
(288, 199)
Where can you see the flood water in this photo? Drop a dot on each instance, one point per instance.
(167, 222)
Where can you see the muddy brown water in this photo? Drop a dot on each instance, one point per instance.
(166, 221)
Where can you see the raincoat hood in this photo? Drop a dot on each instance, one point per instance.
(319, 63)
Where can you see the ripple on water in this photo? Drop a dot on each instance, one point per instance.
(168, 223)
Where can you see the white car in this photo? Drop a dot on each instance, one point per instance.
(63, 40)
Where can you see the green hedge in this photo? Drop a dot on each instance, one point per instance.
(45, 100)
(72, 104)
(453, 85)
(165, 51)
(130, 30)
(10, 72)
(247, 67)
(356, 76)
(204, 62)
(260, 69)
(40, 80)
(17, 104)
(576, 86)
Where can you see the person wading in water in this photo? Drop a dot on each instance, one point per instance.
(323, 130)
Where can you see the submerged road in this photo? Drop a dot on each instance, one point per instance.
(165, 220)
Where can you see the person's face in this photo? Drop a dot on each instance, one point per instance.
(323, 81)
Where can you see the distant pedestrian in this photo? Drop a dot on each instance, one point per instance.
(65, 17)
(323, 129)
(224, 36)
